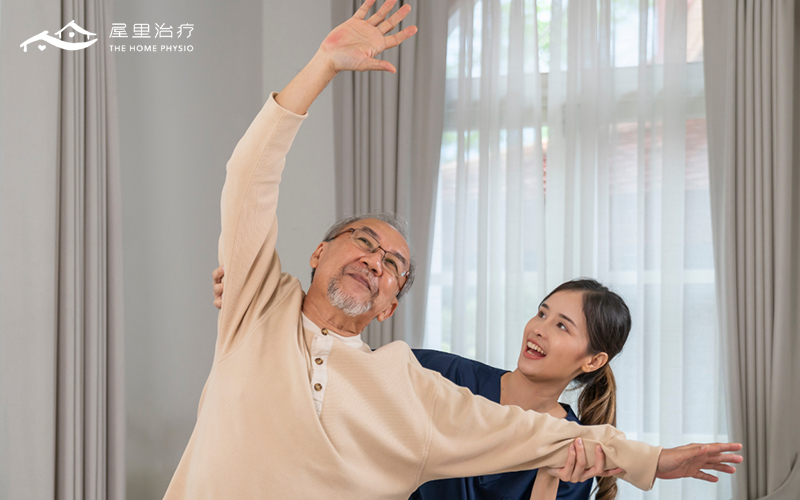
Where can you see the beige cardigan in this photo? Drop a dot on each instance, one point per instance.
(387, 424)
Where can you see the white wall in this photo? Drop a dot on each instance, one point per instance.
(181, 115)
(307, 204)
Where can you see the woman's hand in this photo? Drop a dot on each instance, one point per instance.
(688, 460)
(217, 277)
(575, 471)
(353, 45)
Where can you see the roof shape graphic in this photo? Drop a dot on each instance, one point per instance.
(77, 28)
(56, 42)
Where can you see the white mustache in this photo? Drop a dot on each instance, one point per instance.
(363, 272)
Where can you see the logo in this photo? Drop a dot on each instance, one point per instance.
(142, 30)
(58, 42)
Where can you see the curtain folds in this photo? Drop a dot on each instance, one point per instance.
(754, 132)
(61, 372)
(387, 137)
(574, 144)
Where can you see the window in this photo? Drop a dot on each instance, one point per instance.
(574, 144)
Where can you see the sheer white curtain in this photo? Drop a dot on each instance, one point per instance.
(574, 145)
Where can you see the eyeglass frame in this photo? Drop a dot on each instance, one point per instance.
(352, 231)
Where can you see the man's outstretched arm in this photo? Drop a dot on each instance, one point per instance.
(506, 438)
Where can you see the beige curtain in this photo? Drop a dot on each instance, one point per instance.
(61, 373)
(388, 130)
(754, 152)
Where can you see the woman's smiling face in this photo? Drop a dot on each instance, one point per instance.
(556, 340)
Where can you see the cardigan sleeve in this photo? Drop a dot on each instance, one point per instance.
(470, 435)
(249, 224)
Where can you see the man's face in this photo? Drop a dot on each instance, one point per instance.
(356, 281)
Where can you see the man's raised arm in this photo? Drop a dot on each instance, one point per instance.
(249, 225)
(250, 194)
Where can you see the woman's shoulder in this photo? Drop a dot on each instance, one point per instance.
(445, 361)
(474, 375)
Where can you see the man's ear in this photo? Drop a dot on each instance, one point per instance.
(314, 261)
(596, 362)
(388, 312)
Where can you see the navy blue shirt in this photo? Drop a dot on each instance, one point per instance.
(484, 380)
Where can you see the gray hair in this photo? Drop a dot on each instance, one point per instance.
(397, 222)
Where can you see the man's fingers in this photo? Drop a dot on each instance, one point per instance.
(378, 65)
(721, 468)
(362, 11)
(382, 12)
(717, 448)
(726, 458)
(706, 477)
(723, 447)
(398, 38)
(389, 24)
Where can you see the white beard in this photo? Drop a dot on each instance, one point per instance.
(347, 304)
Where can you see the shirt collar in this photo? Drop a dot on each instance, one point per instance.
(354, 342)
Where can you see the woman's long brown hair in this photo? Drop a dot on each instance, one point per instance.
(609, 323)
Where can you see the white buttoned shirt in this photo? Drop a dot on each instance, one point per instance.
(320, 350)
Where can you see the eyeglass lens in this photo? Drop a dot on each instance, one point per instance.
(390, 261)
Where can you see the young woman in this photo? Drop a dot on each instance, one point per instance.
(579, 328)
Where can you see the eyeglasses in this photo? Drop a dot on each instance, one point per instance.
(391, 262)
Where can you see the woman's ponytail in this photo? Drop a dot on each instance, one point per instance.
(597, 405)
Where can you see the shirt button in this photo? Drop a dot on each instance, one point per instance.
(324, 331)
(318, 361)
(317, 387)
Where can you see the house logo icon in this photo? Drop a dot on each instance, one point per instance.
(58, 42)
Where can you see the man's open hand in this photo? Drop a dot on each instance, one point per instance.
(691, 459)
(353, 45)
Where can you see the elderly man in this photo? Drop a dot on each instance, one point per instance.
(296, 405)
